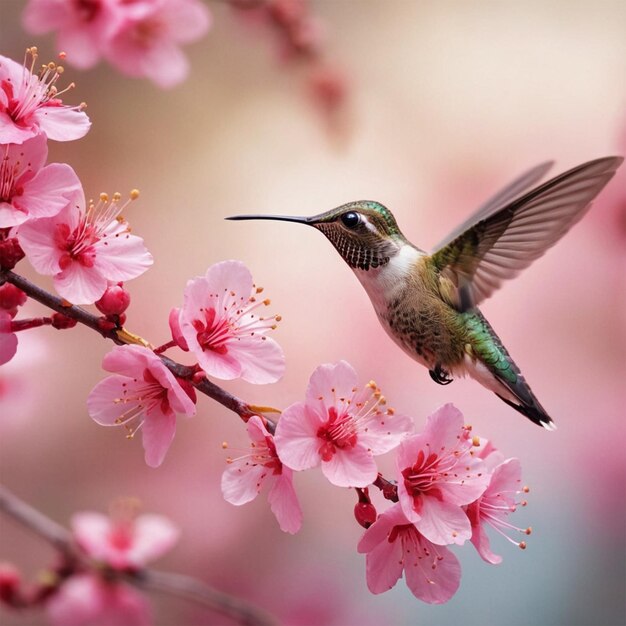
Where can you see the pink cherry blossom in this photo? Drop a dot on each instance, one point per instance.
(221, 325)
(394, 545)
(87, 600)
(142, 394)
(496, 504)
(147, 41)
(123, 542)
(28, 188)
(243, 480)
(8, 340)
(438, 474)
(340, 427)
(85, 249)
(83, 26)
(30, 104)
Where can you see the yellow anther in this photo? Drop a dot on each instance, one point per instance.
(60, 69)
(529, 530)
(522, 545)
(259, 289)
(134, 194)
(229, 460)
(117, 196)
(224, 445)
(476, 440)
(104, 197)
(391, 411)
(278, 318)
(525, 488)
(51, 65)
(267, 302)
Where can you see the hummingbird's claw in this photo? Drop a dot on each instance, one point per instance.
(440, 376)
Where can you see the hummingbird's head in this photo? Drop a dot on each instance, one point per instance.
(364, 233)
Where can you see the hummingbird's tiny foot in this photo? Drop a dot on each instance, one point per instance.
(440, 376)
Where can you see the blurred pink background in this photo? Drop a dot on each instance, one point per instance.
(448, 102)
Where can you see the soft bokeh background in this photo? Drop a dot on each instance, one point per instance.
(448, 101)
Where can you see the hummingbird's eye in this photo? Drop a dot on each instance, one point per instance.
(351, 219)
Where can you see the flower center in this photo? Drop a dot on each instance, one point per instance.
(9, 173)
(339, 432)
(212, 333)
(422, 477)
(87, 10)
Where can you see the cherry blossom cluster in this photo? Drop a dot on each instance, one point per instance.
(141, 38)
(87, 588)
(448, 487)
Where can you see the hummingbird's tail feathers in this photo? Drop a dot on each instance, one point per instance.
(535, 414)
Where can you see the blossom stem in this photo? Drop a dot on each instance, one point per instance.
(121, 336)
(389, 489)
(174, 584)
(34, 322)
(164, 347)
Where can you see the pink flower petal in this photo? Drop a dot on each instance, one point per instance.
(37, 241)
(62, 123)
(284, 503)
(79, 284)
(8, 340)
(120, 255)
(82, 46)
(443, 426)
(49, 191)
(351, 468)
(158, 433)
(434, 579)
(153, 536)
(443, 523)
(296, 438)
(385, 432)
(165, 65)
(100, 403)
(483, 547)
(242, 485)
(187, 20)
(92, 531)
(42, 16)
(327, 384)
(262, 359)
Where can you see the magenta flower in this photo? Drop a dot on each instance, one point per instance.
(220, 324)
(83, 26)
(243, 480)
(123, 542)
(142, 394)
(495, 505)
(30, 104)
(8, 339)
(86, 600)
(146, 42)
(85, 249)
(438, 474)
(394, 545)
(340, 426)
(28, 188)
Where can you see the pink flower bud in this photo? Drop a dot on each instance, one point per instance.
(11, 297)
(62, 322)
(10, 253)
(9, 584)
(114, 301)
(365, 513)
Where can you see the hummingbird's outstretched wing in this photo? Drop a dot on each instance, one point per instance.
(501, 199)
(499, 245)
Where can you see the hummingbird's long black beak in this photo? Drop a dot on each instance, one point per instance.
(280, 218)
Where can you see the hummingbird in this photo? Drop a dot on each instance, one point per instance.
(428, 303)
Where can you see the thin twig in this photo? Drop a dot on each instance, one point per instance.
(178, 585)
(120, 336)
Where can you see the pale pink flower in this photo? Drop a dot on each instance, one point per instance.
(147, 41)
(85, 249)
(30, 104)
(28, 188)
(340, 426)
(243, 480)
(86, 600)
(394, 545)
(123, 542)
(221, 325)
(8, 340)
(142, 394)
(438, 474)
(83, 26)
(497, 502)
